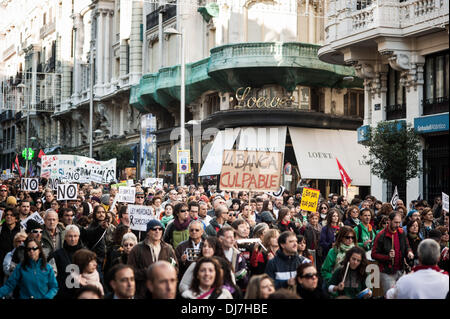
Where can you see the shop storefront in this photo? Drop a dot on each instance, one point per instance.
(436, 172)
(311, 152)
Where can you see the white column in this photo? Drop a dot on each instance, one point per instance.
(100, 55)
(378, 94)
(367, 104)
(414, 96)
(107, 48)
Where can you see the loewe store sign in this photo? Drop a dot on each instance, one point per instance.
(249, 98)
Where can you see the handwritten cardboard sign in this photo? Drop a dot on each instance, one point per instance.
(251, 170)
(310, 199)
(126, 194)
(139, 216)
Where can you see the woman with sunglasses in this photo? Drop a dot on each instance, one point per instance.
(34, 277)
(349, 279)
(345, 240)
(307, 282)
(323, 212)
(39, 205)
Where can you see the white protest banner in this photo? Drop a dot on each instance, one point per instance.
(445, 201)
(140, 216)
(67, 192)
(1, 214)
(34, 216)
(130, 182)
(153, 182)
(96, 178)
(29, 184)
(77, 169)
(126, 194)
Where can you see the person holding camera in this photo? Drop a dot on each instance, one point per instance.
(187, 250)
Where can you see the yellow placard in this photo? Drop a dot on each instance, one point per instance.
(310, 199)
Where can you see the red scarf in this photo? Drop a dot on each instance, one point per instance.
(285, 223)
(206, 294)
(422, 267)
(335, 227)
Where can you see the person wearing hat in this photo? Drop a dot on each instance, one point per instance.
(11, 201)
(104, 201)
(151, 250)
(3, 193)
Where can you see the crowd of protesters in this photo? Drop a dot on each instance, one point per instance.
(209, 244)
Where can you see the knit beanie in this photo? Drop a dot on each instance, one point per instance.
(105, 199)
(412, 211)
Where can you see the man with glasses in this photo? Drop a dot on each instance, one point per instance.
(148, 252)
(188, 250)
(283, 267)
(140, 198)
(177, 230)
(3, 193)
(390, 249)
(8, 230)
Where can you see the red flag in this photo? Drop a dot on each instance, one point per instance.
(18, 166)
(41, 152)
(346, 180)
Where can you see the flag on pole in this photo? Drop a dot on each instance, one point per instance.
(16, 162)
(394, 198)
(41, 153)
(346, 180)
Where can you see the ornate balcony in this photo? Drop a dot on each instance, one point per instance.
(350, 23)
(243, 64)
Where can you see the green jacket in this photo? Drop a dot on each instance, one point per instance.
(328, 265)
(364, 236)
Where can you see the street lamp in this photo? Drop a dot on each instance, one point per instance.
(182, 88)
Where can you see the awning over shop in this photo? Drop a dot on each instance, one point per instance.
(316, 151)
(223, 140)
(272, 139)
